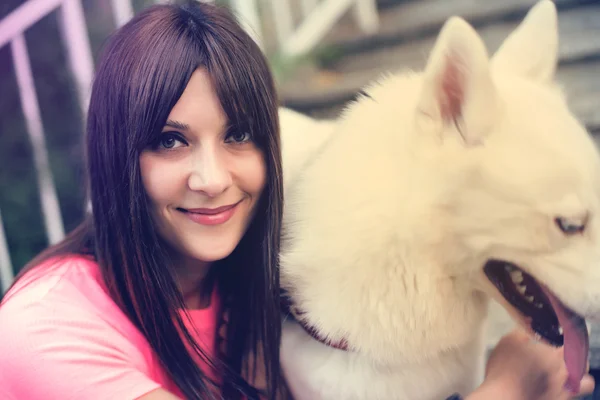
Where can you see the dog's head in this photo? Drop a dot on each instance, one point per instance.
(528, 204)
(476, 166)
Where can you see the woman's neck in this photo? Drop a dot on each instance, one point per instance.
(195, 281)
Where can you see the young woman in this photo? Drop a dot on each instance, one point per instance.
(184, 175)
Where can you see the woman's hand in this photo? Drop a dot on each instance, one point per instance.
(520, 368)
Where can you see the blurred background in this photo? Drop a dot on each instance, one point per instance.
(321, 51)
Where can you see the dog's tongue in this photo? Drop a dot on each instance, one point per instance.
(576, 341)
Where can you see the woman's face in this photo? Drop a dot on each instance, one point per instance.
(203, 177)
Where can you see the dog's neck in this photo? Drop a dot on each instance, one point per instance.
(388, 327)
(291, 311)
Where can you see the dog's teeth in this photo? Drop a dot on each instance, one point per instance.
(529, 298)
(522, 289)
(517, 276)
(539, 305)
(509, 267)
(560, 330)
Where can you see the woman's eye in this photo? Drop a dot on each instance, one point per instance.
(239, 137)
(169, 141)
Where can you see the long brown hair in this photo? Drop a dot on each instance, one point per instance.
(141, 74)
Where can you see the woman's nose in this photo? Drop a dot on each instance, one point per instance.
(209, 173)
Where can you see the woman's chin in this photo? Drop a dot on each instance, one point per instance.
(213, 252)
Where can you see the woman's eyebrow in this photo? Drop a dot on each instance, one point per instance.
(177, 125)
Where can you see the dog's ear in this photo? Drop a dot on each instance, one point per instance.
(458, 91)
(531, 50)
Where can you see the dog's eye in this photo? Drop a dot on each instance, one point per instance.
(570, 226)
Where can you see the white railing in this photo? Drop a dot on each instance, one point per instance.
(295, 35)
(75, 37)
(317, 18)
(6, 270)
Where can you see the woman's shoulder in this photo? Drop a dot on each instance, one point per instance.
(62, 278)
(65, 293)
(61, 329)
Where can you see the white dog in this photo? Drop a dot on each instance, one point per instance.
(432, 193)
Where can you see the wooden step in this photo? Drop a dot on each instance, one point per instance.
(581, 83)
(410, 19)
(579, 31)
(323, 92)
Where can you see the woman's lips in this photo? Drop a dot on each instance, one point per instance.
(210, 216)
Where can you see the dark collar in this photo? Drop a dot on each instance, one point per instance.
(292, 311)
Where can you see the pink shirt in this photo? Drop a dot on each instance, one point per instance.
(63, 337)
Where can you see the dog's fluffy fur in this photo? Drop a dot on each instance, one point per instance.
(393, 209)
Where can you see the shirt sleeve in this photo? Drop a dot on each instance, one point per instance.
(68, 355)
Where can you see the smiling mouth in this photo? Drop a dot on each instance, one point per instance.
(210, 216)
(210, 211)
(547, 316)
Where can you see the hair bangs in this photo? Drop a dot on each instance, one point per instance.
(244, 86)
(158, 82)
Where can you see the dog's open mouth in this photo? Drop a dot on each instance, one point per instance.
(547, 315)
